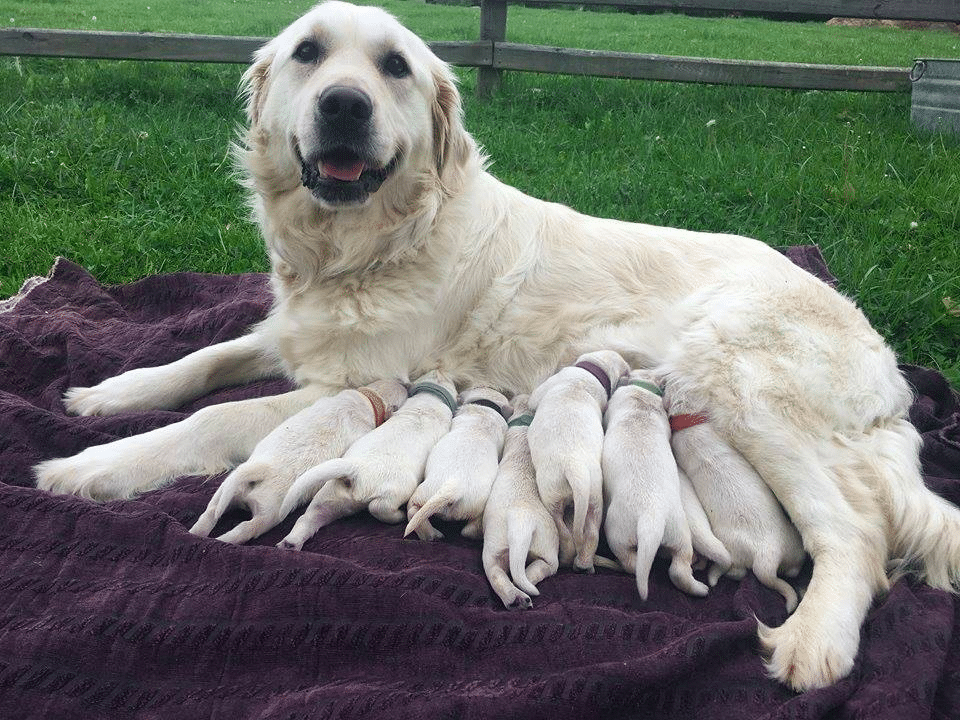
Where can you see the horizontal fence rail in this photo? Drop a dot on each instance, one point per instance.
(512, 56)
(178, 47)
(925, 10)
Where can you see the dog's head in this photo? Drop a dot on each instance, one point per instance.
(353, 103)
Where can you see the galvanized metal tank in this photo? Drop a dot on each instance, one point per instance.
(935, 94)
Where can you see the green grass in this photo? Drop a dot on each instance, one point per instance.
(123, 166)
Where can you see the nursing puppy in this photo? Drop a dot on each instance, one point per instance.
(321, 432)
(743, 513)
(462, 466)
(519, 535)
(566, 441)
(381, 470)
(640, 486)
(393, 252)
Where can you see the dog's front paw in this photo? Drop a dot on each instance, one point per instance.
(87, 474)
(96, 400)
(805, 657)
(140, 389)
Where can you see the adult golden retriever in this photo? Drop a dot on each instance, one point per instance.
(393, 253)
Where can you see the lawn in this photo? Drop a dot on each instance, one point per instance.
(123, 166)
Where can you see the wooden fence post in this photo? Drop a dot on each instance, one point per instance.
(493, 28)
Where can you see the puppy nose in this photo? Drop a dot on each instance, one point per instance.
(340, 104)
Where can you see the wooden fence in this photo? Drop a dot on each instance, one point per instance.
(491, 54)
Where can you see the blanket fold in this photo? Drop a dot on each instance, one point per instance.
(114, 610)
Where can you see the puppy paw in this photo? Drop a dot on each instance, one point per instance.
(289, 545)
(805, 657)
(522, 601)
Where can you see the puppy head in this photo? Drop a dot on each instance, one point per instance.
(440, 378)
(610, 362)
(392, 392)
(489, 394)
(355, 104)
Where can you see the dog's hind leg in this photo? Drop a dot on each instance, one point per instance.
(332, 502)
(212, 440)
(844, 532)
(676, 538)
(494, 565)
(234, 362)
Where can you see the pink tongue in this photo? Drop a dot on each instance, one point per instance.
(347, 173)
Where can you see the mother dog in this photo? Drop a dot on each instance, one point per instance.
(393, 253)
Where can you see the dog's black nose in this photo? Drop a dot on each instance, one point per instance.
(345, 106)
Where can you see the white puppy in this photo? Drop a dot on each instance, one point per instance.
(641, 488)
(743, 512)
(381, 470)
(323, 431)
(516, 525)
(462, 466)
(566, 441)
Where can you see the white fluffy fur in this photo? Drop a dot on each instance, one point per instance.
(446, 267)
(461, 467)
(320, 432)
(566, 441)
(743, 512)
(641, 488)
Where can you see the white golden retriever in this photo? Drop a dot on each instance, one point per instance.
(393, 253)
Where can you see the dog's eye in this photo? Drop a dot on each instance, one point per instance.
(395, 65)
(307, 51)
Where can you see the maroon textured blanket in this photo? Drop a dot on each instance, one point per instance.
(114, 611)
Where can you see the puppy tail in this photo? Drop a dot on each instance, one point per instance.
(520, 529)
(307, 484)
(578, 477)
(926, 527)
(651, 527)
(440, 500)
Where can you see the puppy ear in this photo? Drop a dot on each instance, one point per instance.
(452, 145)
(255, 83)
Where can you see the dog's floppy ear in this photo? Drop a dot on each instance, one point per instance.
(452, 145)
(256, 82)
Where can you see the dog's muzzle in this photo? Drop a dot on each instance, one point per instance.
(342, 177)
(342, 169)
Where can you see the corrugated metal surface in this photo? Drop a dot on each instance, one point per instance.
(935, 96)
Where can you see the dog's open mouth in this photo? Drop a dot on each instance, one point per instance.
(342, 176)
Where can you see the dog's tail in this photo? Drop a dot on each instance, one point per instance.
(520, 529)
(651, 526)
(578, 477)
(443, 499)
(926, 527)
(307, 484)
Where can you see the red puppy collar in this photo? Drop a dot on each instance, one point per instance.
(682, 422)
(379, 410)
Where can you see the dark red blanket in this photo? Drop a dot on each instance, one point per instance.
(114, 611)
